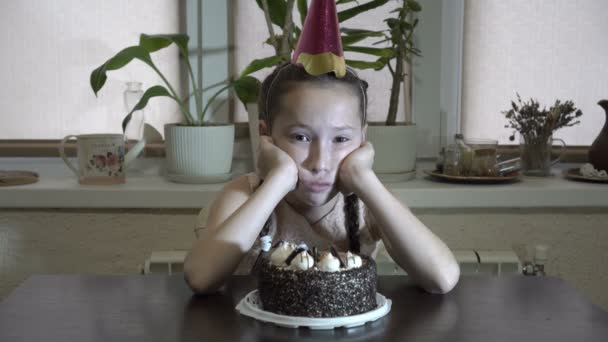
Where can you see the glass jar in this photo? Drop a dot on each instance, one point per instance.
(536, 154)
(484, 161)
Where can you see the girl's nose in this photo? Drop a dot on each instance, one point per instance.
(318, 158)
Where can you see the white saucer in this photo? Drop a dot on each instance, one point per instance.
(251, 306)
(397, 177)
(208, 179)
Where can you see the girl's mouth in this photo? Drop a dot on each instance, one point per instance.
(318, 186)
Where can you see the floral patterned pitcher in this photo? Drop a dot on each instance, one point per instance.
(101, 157)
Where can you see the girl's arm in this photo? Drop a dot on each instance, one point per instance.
(235, 220)
(410, 243)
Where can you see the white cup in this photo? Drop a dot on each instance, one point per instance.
(101, 157)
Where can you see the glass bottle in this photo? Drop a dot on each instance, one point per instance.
(466, 155)
(135, 128)
(451, 161)
(134, 131)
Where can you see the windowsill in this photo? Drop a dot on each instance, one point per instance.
(146, 188)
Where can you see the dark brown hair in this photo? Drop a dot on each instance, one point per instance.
(278, 83)
(286, 75)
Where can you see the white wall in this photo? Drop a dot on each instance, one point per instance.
(118, 241)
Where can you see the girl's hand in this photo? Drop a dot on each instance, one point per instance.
(272, 161)
(356, 166)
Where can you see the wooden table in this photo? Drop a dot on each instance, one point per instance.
(162, 308)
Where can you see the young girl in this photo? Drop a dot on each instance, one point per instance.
(315, 184)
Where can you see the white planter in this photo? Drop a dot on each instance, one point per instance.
(204, 151)
(395, 151)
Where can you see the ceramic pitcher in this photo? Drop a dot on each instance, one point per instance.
(101, 157)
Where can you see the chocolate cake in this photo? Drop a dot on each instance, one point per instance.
(297, 282)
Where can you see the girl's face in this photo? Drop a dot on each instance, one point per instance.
(318, 126)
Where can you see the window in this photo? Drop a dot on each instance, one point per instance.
(543, 49)
(46, 93)
(54, 46)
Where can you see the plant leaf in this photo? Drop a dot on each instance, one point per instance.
(122, 58)
(156, 42)
(277, 9)
(380, 52)
(151, 92)
(247, 89)
(303, 9)
(352, 36)
(258, 64)
(351, 12)
(365, 64)
(414, 5)
(340, 2)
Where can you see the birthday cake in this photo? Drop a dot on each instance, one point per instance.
(296, 281)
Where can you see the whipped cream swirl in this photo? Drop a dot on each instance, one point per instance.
(302, 262)
(329, 263)
(280, 254)
(353, 261)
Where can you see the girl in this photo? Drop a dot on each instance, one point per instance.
(315, 184)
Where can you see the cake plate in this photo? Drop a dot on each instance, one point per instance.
(251, 306)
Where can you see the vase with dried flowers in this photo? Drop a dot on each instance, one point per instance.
(535, 127)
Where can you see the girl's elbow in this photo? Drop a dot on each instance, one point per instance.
(196, 280)
(447, 280)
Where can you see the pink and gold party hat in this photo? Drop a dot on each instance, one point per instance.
(319, 48)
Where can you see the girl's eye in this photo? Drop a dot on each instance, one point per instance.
(341, 139)
(300, 137)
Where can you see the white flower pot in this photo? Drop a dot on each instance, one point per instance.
(204, 151)
(395, 151)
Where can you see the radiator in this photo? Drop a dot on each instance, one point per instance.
(472, 262)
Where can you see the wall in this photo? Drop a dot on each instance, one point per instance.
(117, 242)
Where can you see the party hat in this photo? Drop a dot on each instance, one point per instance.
(319, 48)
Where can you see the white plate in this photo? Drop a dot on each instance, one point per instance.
(199, 179)
(251, 306)
(397, 177)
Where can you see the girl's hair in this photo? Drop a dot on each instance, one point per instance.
(277, 84)
(287, 75)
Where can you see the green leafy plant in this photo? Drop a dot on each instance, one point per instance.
(399, 36)
(149, 44)
(278, 15)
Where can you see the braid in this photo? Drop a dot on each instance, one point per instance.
(351, 215)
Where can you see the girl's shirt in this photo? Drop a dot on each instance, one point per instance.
(288, 225)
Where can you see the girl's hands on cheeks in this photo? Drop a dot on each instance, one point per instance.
(355, 167)
(274, 162)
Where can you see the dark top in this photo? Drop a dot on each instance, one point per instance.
(162, 308)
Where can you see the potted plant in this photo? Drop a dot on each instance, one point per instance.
(385, 136)
(535, 127)
(196, 150)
